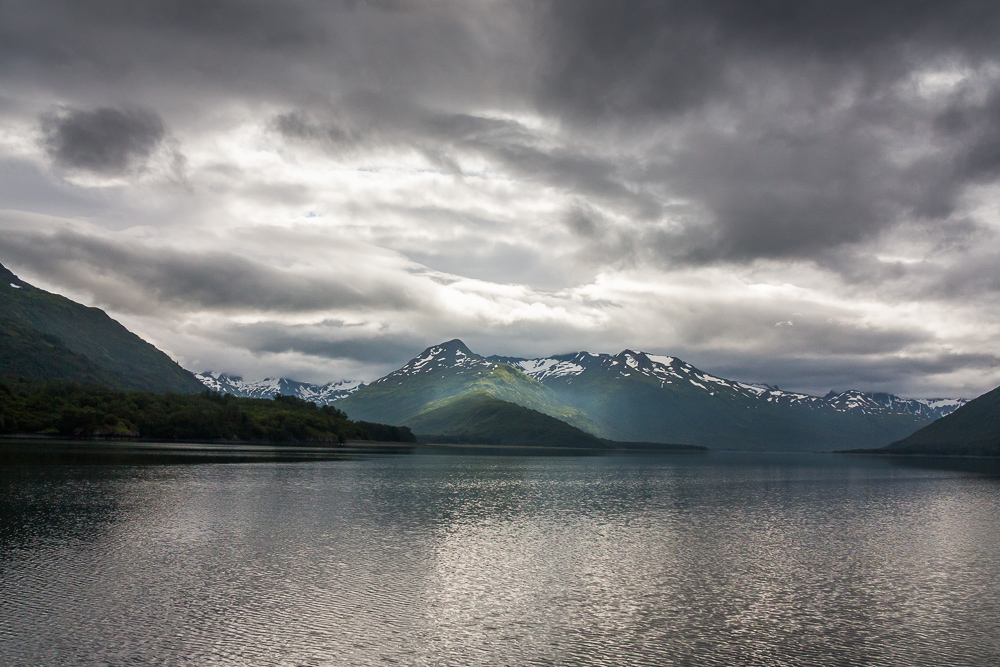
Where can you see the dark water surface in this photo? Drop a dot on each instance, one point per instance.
(715, 559)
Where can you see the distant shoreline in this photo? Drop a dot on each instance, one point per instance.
(928, 455)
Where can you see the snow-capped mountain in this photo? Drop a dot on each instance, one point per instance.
(666, 370)
(268, 387)
(636, 396)
(448, 370)
(450, 357)
(933, 408)
(630, 396)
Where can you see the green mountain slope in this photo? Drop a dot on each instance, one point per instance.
(635, 409)
(124, 360)
(478, 417)
(448, 370)
(972, 430)
(29, 353)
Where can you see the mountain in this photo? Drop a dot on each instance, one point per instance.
(234, 385)
(560, 369)
(451, 369)
(29, 353)
(873, 402)
(640, 396)
(85, 344)
(973, 429)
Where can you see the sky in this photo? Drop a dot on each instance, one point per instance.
(791, 192)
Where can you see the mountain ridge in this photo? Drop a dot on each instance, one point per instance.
(235, 385)
(565, 366)
(640, 397)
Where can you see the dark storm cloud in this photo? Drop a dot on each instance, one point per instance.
(105, 141)
(656, 56)
(331, 339)
(976, 127)
(245, 22)
(142, 279)
(103, 33)
(806, 171)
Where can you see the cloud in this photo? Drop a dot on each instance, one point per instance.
(105, 140)
(533, 177)
(330, 339)
(141, 279)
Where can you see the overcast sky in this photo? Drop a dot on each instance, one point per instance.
(791, 192)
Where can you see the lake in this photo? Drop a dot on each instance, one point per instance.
(710, 559)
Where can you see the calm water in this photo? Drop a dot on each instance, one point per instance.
(432, 560)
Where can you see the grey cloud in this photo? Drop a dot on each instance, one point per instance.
(330, 339)
(651, 56)
(975, 127)
(814, 331)
(908, 376)
(141, 279)
(105, 141)
(365, 75)
(373, 121)
(252, 22)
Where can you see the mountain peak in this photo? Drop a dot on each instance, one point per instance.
(453, 345)
(450, 354)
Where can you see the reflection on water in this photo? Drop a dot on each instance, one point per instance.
(430, 560)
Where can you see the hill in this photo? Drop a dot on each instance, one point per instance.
(478, 417)
(111, 354)
(972, 430)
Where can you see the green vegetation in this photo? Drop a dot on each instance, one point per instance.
(72, 410)
(27, 352)
(111, 354)
(399, 400)
(972, 430)
(480, 418)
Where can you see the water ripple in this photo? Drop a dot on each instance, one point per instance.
(429, 560)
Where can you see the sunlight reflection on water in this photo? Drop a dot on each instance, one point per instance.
(427, 560)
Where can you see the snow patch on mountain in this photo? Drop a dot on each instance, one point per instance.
(267, 388)
(452, 356)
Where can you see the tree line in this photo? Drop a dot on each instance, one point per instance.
(72, 410)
